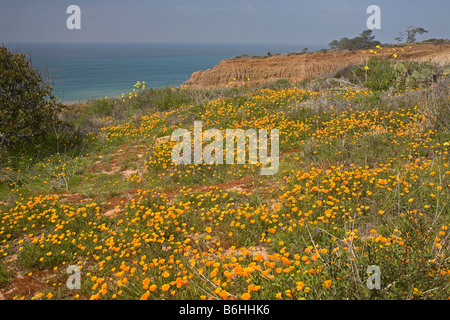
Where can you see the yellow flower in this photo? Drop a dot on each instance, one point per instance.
(246, 296)
(145, 295)
(300, 286)
(327, 284)
(145, 283)
(381, 212)
(165, 287)
(252, 287)
(366, 68)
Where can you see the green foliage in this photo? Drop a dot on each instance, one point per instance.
(163, 99)
(27, 106)
(384, 75)
(381, 75)
(32, 256)
(364, 41)
(5, 275)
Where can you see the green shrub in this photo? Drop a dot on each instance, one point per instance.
(5, 275)
(27, 107)
(162, 99)
(384, 75)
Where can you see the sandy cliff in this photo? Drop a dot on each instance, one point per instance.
(297, 67)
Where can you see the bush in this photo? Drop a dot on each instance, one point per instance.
(27, 107)
(162, 99)
(364, 41)
(385, 75)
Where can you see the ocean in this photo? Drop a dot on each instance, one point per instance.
(84, 71)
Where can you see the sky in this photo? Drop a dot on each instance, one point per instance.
(314, 22)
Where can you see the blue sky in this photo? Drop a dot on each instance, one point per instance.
(314, 22)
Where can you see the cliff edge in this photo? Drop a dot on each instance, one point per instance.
(253, 71)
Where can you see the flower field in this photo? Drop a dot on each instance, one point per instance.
(363, 181)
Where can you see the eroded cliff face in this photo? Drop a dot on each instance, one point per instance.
(297, 67)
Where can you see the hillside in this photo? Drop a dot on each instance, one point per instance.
(252, 71)
(363, 181)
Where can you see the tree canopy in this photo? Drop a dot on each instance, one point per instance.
(27, 107)
(365, 40)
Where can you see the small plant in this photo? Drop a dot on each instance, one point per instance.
(5, 275)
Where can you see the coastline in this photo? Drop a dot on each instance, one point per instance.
(254, 71)
(242, 70)
(81, 71)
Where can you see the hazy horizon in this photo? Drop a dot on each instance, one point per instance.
(312, 23)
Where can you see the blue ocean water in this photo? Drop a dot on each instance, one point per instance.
(84, 71)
